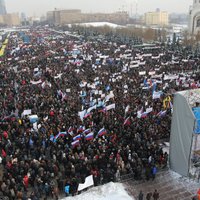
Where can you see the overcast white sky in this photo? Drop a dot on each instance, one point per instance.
(39, 7)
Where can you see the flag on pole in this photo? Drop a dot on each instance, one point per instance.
(78, 137)
(60, 134)
(75, 143)
(70, 130)
(89, 136)
(102, 132)
(52, 138)
(87, 131)
(80, 129)
(162, 113)
(87, 115)
(144, 115)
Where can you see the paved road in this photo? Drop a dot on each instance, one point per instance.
(169, 185)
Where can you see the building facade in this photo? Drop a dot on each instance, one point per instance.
(194, 15)
(2, 7)
(158, 18)
(120, 17)
(63, 17)
(10, 19)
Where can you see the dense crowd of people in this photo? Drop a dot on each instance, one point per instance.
(72, 107)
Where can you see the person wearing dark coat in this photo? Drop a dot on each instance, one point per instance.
(155, 195)
(140, 196)
(149, 195)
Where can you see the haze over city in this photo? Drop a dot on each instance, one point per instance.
(38, 7)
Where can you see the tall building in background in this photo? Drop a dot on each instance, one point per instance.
(158, 18)
(194, 13)
(2, 7)
(11, 19)
(8, 19)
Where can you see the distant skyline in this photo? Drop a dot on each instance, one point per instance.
(40, 7)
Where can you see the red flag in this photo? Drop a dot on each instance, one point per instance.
(25, 180)
(3, 153)
(5, 135)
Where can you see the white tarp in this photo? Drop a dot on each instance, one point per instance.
(88, 183)
(109, 191)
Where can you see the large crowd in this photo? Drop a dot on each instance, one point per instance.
(73, 107)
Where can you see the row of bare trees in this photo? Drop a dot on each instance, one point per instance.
(146, 34)
(190, 40)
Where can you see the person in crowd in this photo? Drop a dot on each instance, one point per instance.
(141, 196)
(155, 195)
(148, 196)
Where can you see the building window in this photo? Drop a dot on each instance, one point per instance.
(198, 23)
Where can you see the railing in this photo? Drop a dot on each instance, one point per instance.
(126, 177)
(130, 177)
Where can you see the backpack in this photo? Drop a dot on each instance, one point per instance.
(67, 189)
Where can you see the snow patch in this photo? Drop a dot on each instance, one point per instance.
(175, 175)
(110, 191)
(99, 24)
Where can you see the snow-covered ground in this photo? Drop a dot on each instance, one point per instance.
(110, 191)
(98, 24)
